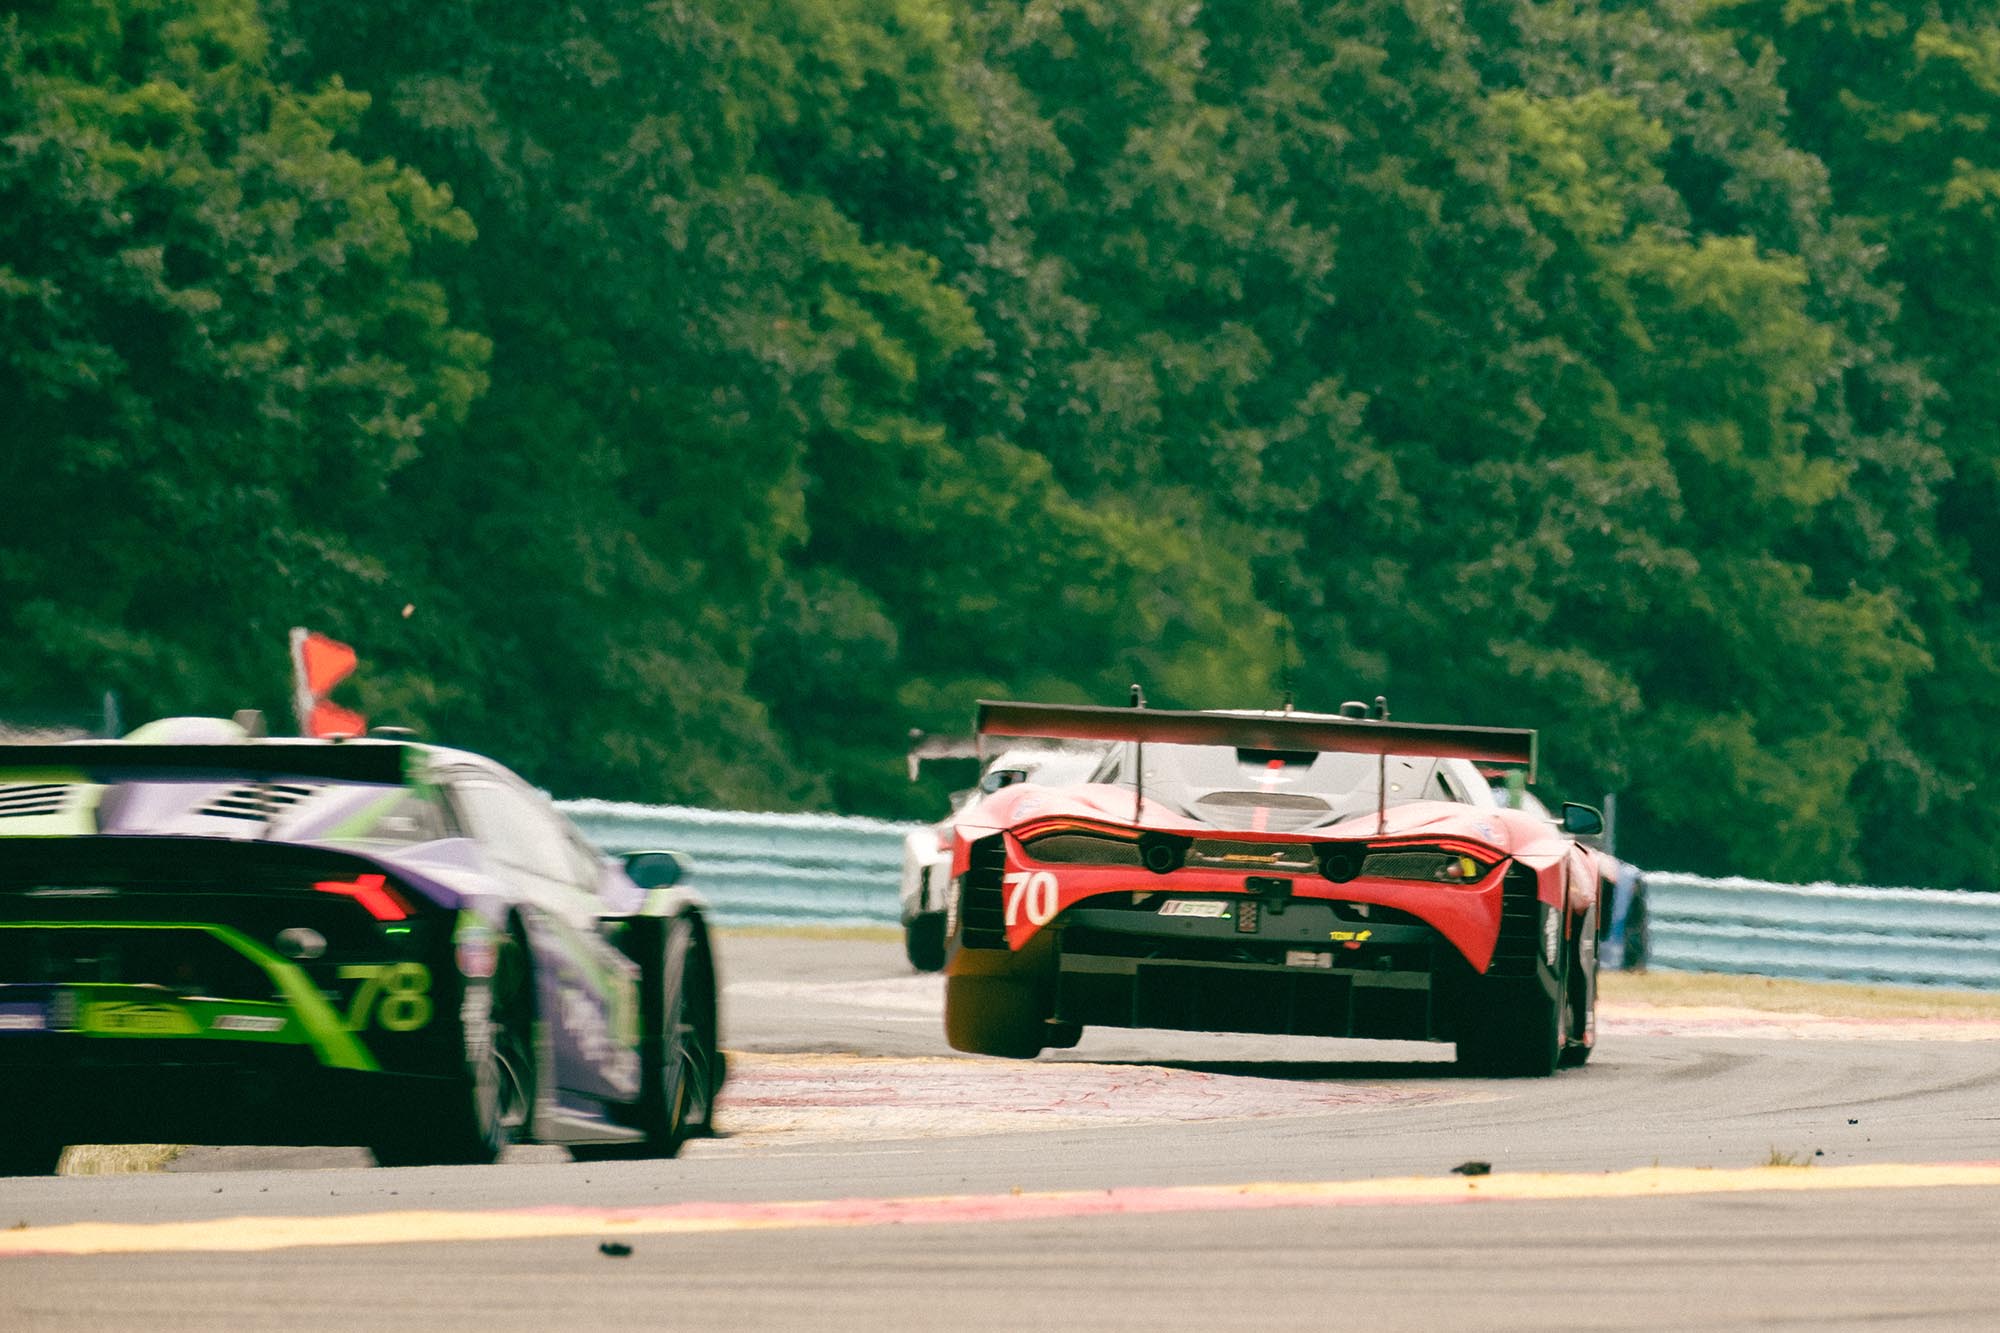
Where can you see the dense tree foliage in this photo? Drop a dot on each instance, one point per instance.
(684, 401)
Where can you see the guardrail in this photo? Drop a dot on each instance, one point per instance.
(1824, 932)
(829, 870)
(758, 869)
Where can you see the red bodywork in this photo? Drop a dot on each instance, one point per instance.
(1468, 915)
(1195, 924)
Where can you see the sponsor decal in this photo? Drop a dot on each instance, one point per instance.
(135, 1019)
(1349, 936)
(23, 1018)
(1193, 907)
(247, 1023)
(588, 1021)
(477, 946)
(1307, 958)
(475, 1020)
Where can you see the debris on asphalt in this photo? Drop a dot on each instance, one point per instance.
(1472, 1169)
(614, 1249)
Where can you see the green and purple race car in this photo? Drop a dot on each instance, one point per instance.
(211, 938)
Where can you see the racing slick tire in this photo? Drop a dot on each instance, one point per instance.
(472, 1119)
(28, 1154)
(1517, 1032)
(1517, 1029)
(1579, 1017)
(923, 941)
(679, 1102)
(993, 1016)
(685, 1105)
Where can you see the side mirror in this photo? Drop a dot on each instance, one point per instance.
(1582, 821)
(1002, 777)
(656, 870)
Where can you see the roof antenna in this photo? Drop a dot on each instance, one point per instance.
(1380, 712)
(1285, 646)
(1138, 763)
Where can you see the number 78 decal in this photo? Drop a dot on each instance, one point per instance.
(1030, 894)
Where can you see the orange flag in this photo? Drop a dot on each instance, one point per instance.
(319, 664)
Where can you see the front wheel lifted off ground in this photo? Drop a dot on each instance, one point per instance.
(993, 1016)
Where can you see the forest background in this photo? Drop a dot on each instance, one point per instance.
(683, 399)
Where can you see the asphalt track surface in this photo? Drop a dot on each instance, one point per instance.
(867, 1178)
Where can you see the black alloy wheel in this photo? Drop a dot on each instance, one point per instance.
(677, 1101)
(684, 1102)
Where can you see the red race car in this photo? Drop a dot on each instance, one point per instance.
(1318, 875)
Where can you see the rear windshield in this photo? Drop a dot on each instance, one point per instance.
(1294, 789)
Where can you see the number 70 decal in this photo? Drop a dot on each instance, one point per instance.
(1030, 894)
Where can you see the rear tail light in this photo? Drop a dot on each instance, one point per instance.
(1083, 847)
(372, 892)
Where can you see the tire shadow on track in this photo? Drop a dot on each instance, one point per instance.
(1314, 1071)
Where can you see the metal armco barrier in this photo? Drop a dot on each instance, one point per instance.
(828, 870)
(1824, 932)
(806, 870)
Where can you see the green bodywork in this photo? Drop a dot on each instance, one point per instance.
(79, 806)
(121, 1011)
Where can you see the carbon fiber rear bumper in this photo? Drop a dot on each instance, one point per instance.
(1304, 969)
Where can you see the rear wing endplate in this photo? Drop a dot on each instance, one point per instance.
(924, 747)
(120, 761)
(1276, 731)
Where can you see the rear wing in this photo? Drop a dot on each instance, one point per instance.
(1252, 731)
(109, 762)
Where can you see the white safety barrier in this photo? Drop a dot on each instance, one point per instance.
(838, 871)
(1824, 932)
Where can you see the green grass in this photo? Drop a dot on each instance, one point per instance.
(117, 1159)
(1833, 998)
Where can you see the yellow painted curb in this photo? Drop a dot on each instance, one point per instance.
(246, 1234)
